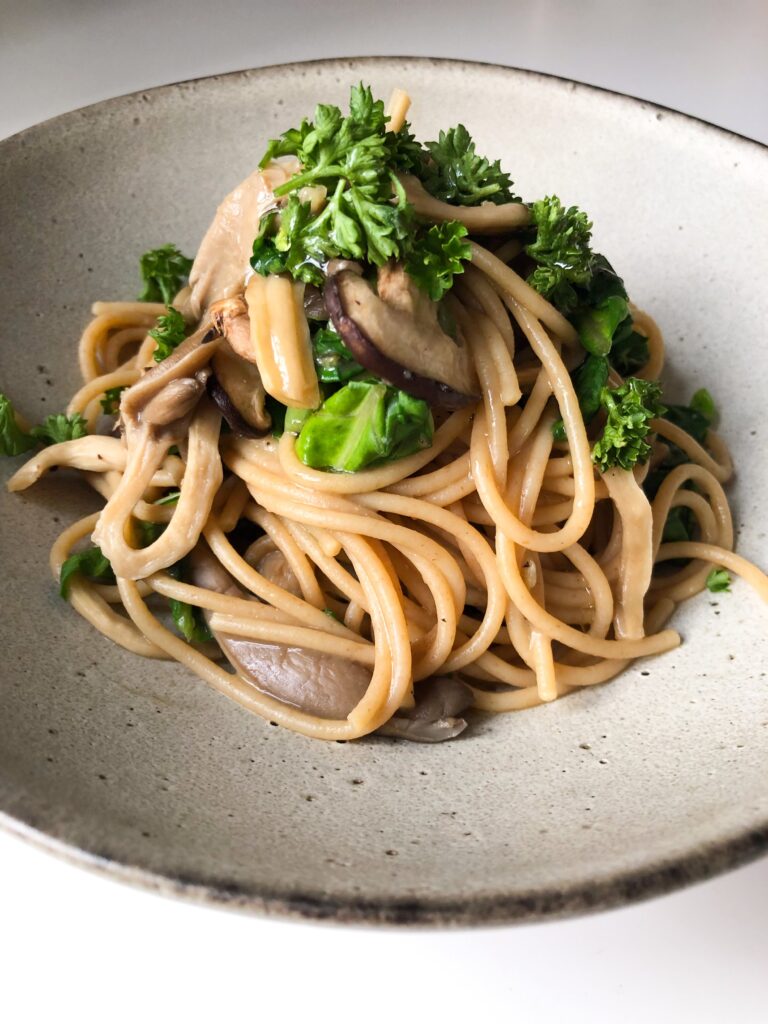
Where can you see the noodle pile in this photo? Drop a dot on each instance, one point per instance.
(498, 553)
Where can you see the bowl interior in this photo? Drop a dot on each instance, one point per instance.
(616, 791)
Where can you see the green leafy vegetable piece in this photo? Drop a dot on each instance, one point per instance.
(171, 498)
(331, 614)
(603, 282)
(703, 403)
(589, 379)
(54, 429)
(364, 423)
(456, 174)
(696, 418)
(561, 250)
(719, 581)
(189, 619)
(404, 152)
(629, 351)
(91, 563)
(436, 256)
(629, 408)
(295, 419)
(110, 402)
(163, 272)
(333, 360)
(13, 440)
(190, 622)
(59, 427)
(266, 259)
(169, 333)
(355, 159)
(597, 325)
(148, 532)
(679, 525)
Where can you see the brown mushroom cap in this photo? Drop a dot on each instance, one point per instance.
(397, 336)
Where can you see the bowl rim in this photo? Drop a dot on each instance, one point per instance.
(655, 878)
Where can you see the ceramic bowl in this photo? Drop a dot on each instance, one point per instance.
(137, 768)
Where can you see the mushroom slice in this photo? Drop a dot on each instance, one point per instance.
(230, 318)
(183, 364)
(223, 257)
(439, 703)
(274, 566)
(397, 336)
(321, 684)
(236, 385)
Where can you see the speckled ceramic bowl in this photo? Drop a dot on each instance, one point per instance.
(138, 769)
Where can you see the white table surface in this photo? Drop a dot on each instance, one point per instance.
(81, 947)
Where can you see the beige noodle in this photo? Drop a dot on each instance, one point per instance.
(494, 552)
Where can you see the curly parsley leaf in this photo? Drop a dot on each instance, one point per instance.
(91, 563)
(455, 173)
(13, 440)
(366, 215)
(629, 409)
(562, 252)
(169, 333)
(163, 272)
(404, 152)
(436, 256)
(719, 581)
(59, 427)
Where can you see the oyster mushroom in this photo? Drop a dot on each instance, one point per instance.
(223, 257)
(396, 335)
(236, 386)
(436, 715)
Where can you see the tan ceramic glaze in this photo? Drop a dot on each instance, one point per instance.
(138, 768)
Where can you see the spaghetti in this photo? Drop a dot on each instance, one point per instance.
(500, 552)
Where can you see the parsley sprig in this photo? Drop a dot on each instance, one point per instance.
(562, 252)
(163, 272)
(54, 429)
(456, 173)
(366, 215)
(629, 409)
(168, 334)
